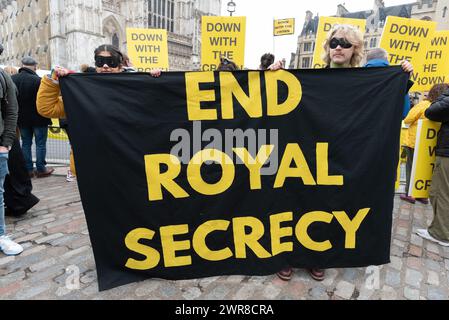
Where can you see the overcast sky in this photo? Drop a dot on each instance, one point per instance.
(259, 22)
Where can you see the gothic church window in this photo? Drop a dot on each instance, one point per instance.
(112, 31)
(161, 14)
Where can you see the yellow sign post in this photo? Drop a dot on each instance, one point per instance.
(147, 48)
(435, 69)
(407, 39)
(423, 158)
(324, 26)
(284, 27)
(222, 37)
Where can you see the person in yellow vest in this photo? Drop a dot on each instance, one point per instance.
(415, 114)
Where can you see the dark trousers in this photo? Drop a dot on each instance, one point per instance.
(18, 187)
(40, 137)
(439, 197)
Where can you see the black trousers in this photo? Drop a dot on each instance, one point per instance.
(18, 187)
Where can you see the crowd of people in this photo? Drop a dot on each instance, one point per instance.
(40, 100)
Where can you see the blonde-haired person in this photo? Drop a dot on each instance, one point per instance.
(343, 48)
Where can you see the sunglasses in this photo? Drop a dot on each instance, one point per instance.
(112, 62)
(335, 42)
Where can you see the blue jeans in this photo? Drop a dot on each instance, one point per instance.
(40, 135)
(3, 172)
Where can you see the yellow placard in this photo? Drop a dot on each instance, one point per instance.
(222, 37)
(284, 27)
(407, 39)
(435, 69)
(424, 158)
(324, 26)
(401, 160)
(55, 132)
(147, 48)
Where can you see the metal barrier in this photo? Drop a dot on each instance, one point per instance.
(58, 146)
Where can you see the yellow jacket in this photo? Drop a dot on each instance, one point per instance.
(416, 113)
(49, 102)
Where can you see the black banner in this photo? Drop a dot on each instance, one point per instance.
(200, 174)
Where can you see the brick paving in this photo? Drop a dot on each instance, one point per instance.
(58, 263)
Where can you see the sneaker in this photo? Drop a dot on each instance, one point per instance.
(407, 198)
(9, 247)
(70, 177)
(424, 233)
(285, 274)
(31, 174)
(46, 173)
(423, 200)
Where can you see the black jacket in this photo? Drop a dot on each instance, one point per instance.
(27, 83)
(439, 111)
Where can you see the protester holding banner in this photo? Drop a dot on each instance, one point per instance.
(415, 114)
(343, 48)
(108, 59)
(438, 231)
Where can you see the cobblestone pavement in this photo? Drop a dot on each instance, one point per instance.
(55, 237)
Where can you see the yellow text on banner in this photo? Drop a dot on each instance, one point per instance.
(424, 158)
(435, 69)
(222, 37)
(324, 26)
(147, 48)
(284, 27)
(406, 39)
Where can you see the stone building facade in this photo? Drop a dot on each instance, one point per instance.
(66, 32)
(435, 10)
(24, 30)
